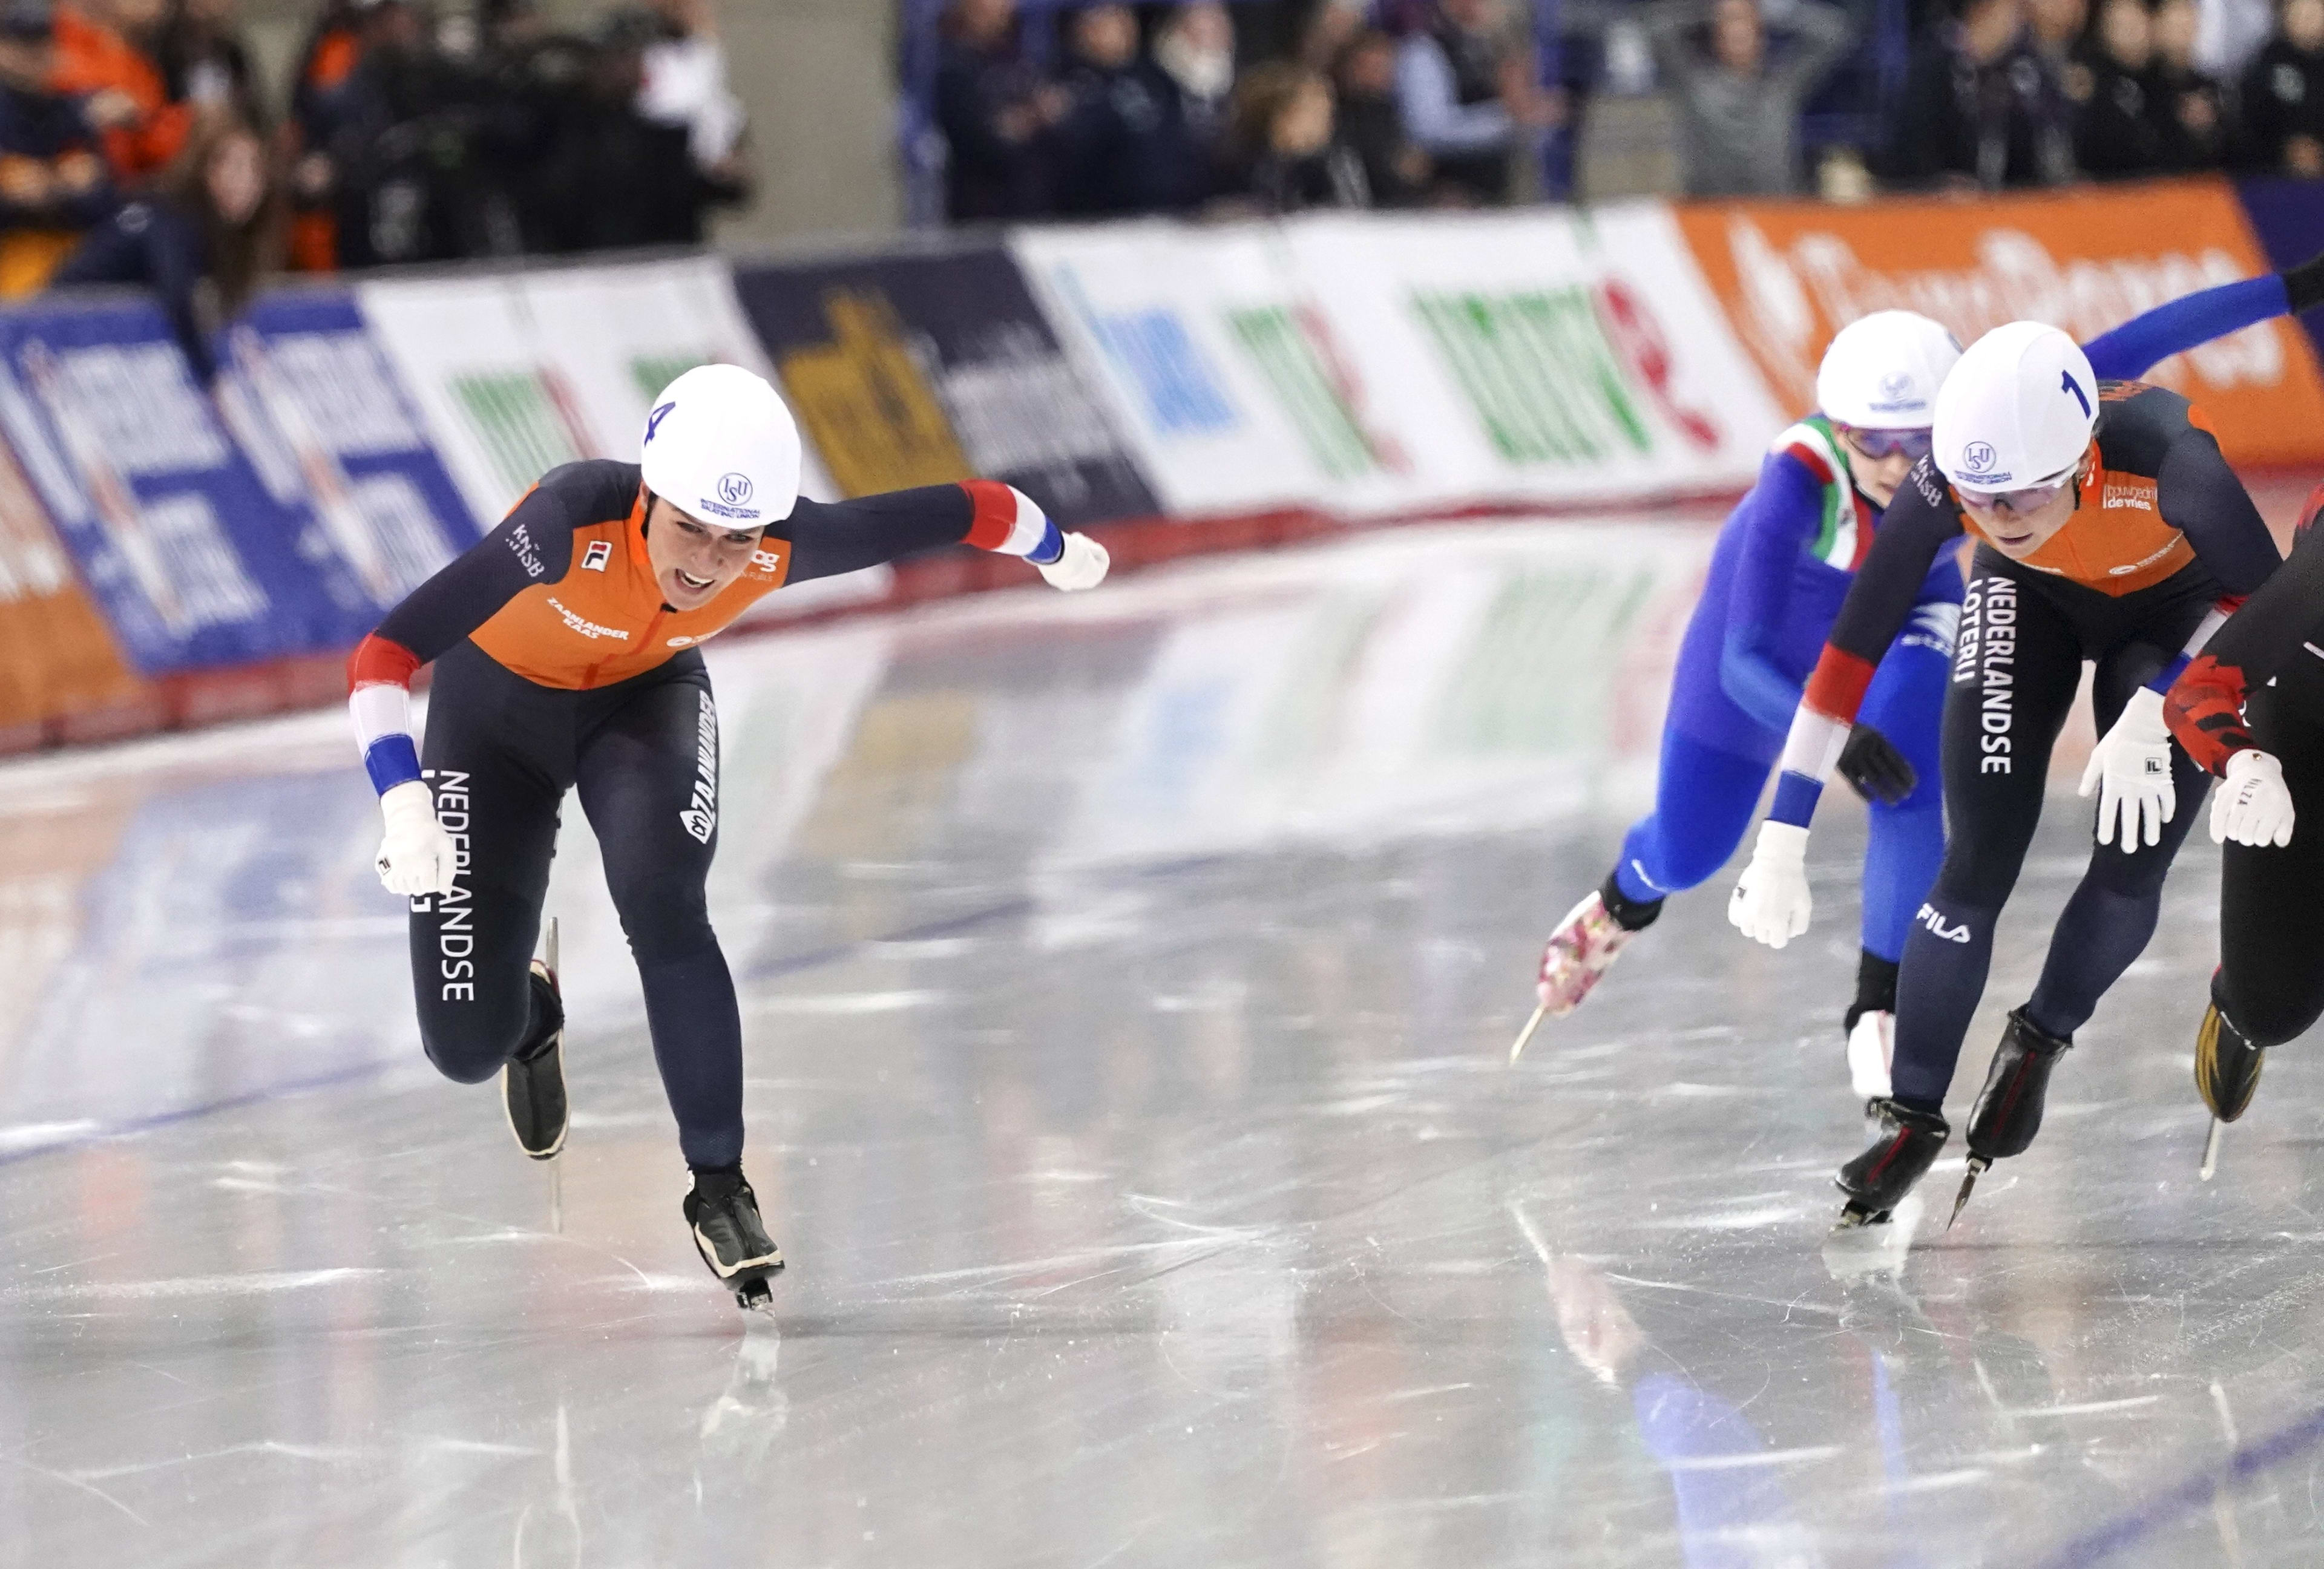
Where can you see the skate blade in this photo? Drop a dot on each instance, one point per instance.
(549, 948)
(2211, 1150)
(1539, 1013)
(755, 1296)
(1854, 1215)
(1977, 1166)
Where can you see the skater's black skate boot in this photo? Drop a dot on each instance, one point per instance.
(2009, 1109)
(729, 1235)
(532, 1083)
(1878, 1180)
(2227, 1065)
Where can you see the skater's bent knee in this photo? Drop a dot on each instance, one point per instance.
(470, 1050)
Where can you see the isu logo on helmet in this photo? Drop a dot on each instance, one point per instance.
(734, 490)
(1978, 459)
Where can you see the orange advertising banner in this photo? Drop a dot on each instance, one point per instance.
(1790, 274)
(57, 658)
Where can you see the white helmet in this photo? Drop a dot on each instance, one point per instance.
(1882, 372)
(2018, 410)
(720, 447)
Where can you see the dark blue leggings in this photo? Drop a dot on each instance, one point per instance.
(1705, 797)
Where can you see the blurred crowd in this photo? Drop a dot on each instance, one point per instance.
(1100, 109)
(139, 146)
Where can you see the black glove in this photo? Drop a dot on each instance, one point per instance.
(2304, 285)
(1874, 767)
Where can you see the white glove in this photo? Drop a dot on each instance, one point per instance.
(1082, 565)
(2254, 805)
(418, 856)
(1772, 903)
(2130, 768)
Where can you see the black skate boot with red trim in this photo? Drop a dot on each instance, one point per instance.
(723, 1214)
(2009, 1109)
(1878, 1180)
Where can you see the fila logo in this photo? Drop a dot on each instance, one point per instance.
(599, 553)
(1930, 918)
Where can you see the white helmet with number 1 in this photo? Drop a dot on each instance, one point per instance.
(2017, 411)
(721, 448)
(1882, 372)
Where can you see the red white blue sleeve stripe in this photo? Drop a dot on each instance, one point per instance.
(1012, 523)
(2211, 623)
(379, 700)
(1819, 728)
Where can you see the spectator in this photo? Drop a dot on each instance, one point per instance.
(686, 85)
(2059, 27)
(2189, 105)
(2229, 33)
(1981, 107)
(2284, 94)
(613, 179)
(205, 61)
(1396, 171)
(101, 57)
(54, 181)
(399, 147)
(1283, 137)
(1193, 57)
(211, 229)
(1739, 110)
(2116, 134)
(1468, 98)
(995, 111)
(1120, 148)
(318, 105)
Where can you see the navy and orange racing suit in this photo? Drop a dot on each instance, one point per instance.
(557, 665)
(2163, 537)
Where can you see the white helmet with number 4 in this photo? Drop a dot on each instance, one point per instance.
(2017, 411)
(721, 448)
(1882, 372)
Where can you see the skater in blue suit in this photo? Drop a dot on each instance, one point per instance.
(1782, 566)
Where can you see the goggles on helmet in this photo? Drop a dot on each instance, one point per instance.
(1878, 445)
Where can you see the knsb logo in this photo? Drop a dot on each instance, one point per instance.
(1930, 918)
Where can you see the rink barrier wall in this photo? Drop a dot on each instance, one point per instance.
(169, 559)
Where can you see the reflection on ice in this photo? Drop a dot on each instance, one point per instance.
(1128, 980)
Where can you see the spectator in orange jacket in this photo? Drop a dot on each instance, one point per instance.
(143, 131)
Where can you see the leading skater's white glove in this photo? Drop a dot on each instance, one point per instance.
(1082, 566)
(1771, 903)
(2253, 805)
(418, 856)
(2130, 768)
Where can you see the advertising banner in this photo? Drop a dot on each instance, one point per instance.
(617, 336)
(1792, 274)
(1375, 364)
(56, 657)
(2288, 217)
(1547, 356)
(189, 557)
(911, 370)
(502, 416)
(341, 448)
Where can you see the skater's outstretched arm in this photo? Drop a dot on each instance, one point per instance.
(1780, 518)
(2144, 342)
(2273, 628)
(1919, 523)
(829, 538)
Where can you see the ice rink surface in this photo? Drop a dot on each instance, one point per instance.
(1127, 981)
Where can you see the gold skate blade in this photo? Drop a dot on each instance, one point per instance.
(1539, 1013)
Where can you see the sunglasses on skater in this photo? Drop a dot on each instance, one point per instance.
(1878, 445)
(2017, 503)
